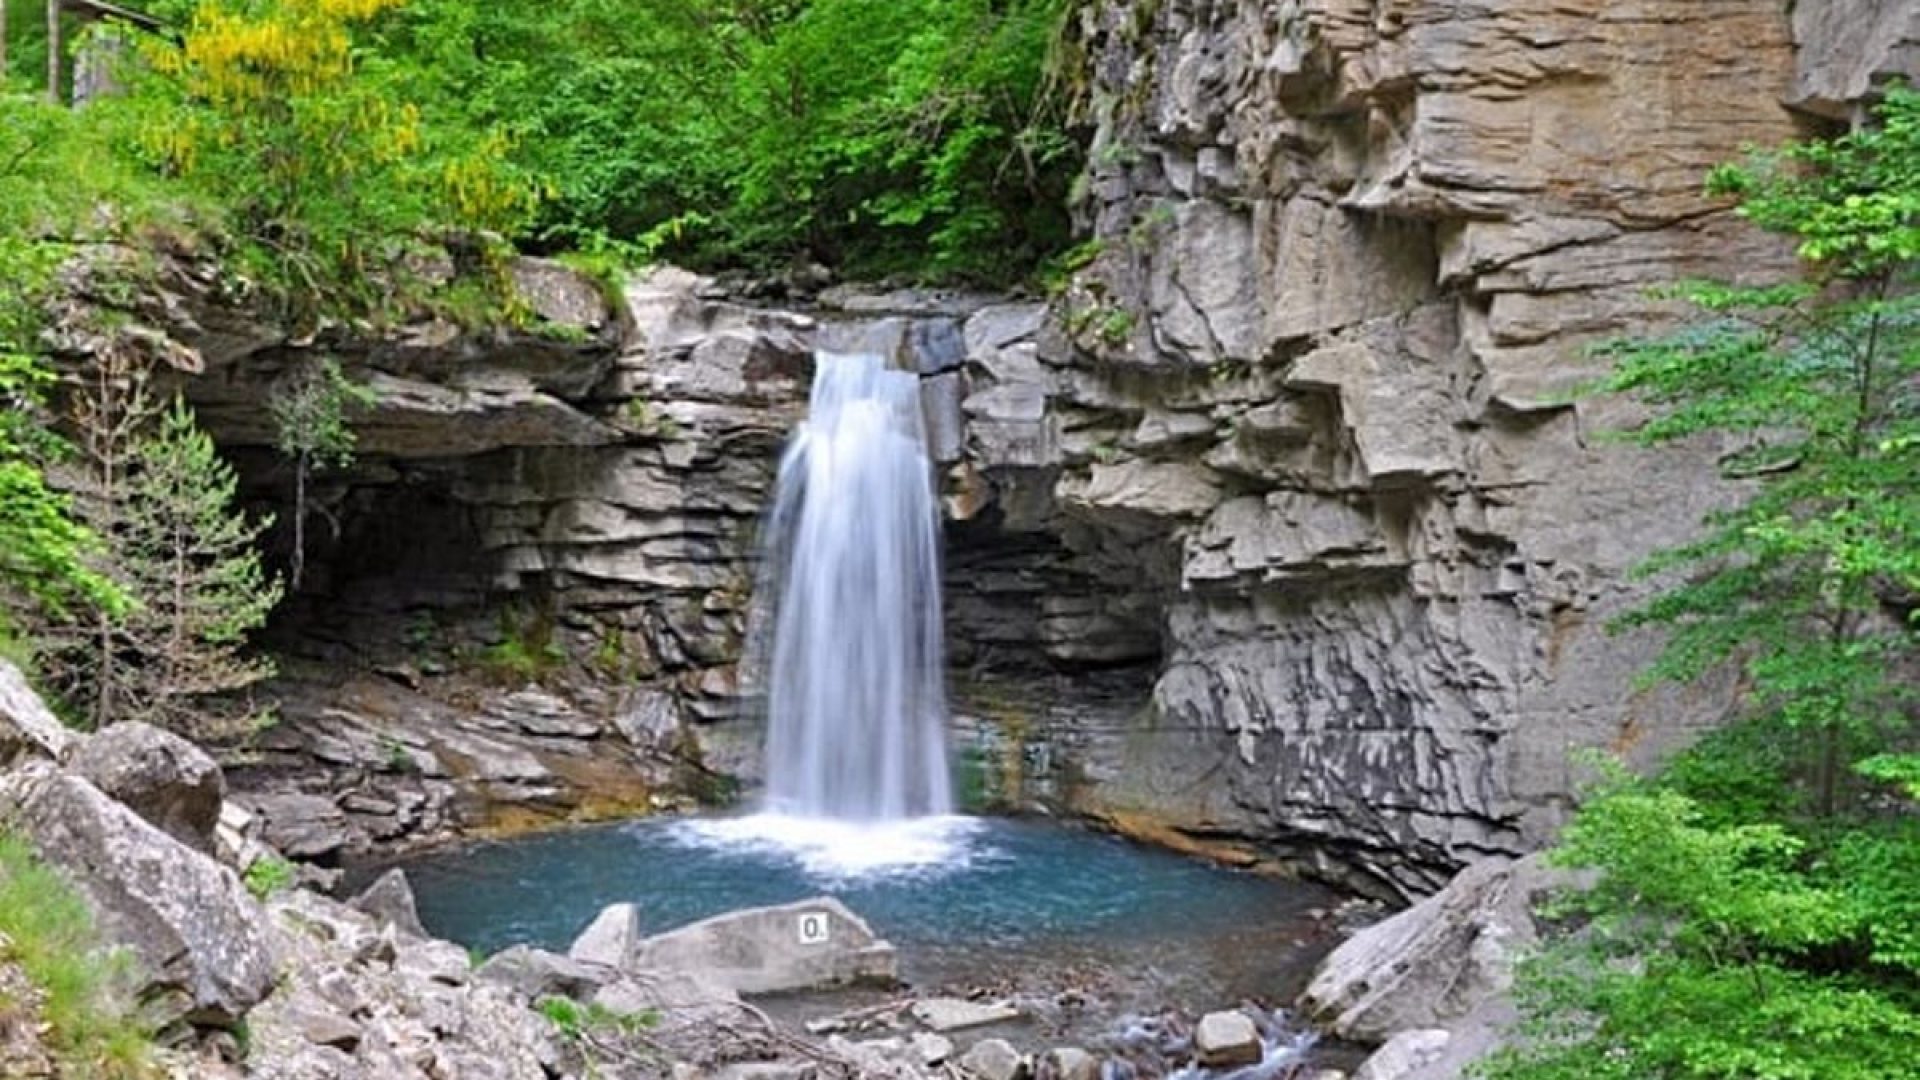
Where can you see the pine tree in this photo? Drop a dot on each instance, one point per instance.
(193, 561)
(150, 484)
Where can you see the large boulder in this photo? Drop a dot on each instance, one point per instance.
(390, 900)
(1443, 961)
(1226, 1039)
(199, 939)
(158, 775)
(27, 727)
(608, 940)
(766, 950)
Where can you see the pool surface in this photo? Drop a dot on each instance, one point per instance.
(1006, 904)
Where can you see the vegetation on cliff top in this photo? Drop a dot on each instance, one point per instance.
(1757, 913)
(909, 137)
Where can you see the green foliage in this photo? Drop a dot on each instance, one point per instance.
(526, 651)
(43, 551)
(94, 1030)
(575, 1020)
(310, 414)
(192, 560)
(1814, 380)
(1901, 769)
(309, 410)
(315, 149)
(269, 875)
(1724, 951)
(877, 135)
(396, 755)
(1751, 918)
(176, 545)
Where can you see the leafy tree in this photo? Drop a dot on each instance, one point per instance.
(43, 550)
(313, 149)
(1812, 583)
(877, 135)
(1724, 951)
(1755, 915)
(310, 427)
(155, 490)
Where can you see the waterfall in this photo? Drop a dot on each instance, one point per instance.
(847, 645)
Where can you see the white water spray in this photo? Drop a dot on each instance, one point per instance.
(848, 647)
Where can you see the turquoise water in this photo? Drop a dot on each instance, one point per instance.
(1005, 903)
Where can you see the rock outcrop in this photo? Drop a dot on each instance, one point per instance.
(1430, 984)
(165, 779)
(356, 1001)
(1310, 404)
(28, 729)
(197, 936)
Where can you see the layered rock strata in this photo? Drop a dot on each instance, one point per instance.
(1314, 394)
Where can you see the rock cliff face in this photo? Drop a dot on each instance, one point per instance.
(1309, 396)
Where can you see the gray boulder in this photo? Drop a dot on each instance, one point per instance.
(609, 940)
(535, 973)
(1068, 1063)
(930, 1050)
(199, 939)
(390, 901)
(1226, 1039)
(27, 727)
(158, 775)
(1406, 1056)
(1447, 958)
(995, 1059)
(767, 950)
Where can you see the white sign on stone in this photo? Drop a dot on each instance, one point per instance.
(814, 928)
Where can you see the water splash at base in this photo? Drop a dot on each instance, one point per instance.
(832, 850)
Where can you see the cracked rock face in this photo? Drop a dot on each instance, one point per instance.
(1351, 258)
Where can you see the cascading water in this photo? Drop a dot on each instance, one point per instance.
(847, 648)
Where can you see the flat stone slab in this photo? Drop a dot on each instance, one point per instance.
(955, 1014)
(1227, 1038)
(768, 950)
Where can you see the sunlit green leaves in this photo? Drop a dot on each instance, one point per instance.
(879, 136)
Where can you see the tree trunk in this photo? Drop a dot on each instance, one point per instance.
(53, 51)
(299, 520)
